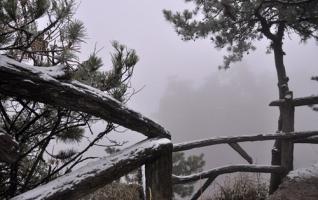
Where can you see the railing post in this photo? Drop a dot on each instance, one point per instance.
(159, 176)
(287, 149)
(283, 152)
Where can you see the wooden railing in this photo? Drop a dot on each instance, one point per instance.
(50, 85)
(211, 175)
(282, 160)
(96, 174)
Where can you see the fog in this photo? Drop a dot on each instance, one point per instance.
(186, 93)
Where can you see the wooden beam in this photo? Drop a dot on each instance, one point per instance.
(245, 138)
(96, 174)
(225, 170)
(159, 176)
(8, 148)
(309, 140)
(242, 152)
(283, 151)
(303, 101)
(48, 85)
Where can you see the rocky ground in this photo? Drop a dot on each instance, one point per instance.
(300, 184)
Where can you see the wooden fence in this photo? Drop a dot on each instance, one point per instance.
(48, 85)
(211, 175)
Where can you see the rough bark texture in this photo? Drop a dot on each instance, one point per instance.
(280, 148)
(159, 177)
(37, 84)
(287, 150)
(99, 173)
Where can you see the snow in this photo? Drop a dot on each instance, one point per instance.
(91, 170)
(93, 91)
(47, 73)
(50, 74)
(28, 81)
(304, 173)
(39, 74)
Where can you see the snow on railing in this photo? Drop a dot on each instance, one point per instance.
(96, 174)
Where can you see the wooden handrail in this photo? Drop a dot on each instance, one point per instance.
(246, 138)
(99, 173)
(302, 101)
(225, 170)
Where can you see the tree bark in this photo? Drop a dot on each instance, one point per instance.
(282, 152)
(159, 177)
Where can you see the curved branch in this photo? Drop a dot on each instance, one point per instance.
(50, 86)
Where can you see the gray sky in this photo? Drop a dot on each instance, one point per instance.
(184, 90)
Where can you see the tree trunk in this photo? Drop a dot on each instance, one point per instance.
(282, 152)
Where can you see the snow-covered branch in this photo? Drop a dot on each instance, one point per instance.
(50, 85)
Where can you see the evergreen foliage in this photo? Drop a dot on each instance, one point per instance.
(45, 33)
(235, 25)
(183, 165)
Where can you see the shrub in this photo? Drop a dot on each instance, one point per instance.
(241, 187)
(116, 191)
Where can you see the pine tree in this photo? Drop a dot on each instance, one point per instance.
(235, 25)
(182, 166)
(36, 126)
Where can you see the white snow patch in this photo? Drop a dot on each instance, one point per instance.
(47, 73)
(304, 173)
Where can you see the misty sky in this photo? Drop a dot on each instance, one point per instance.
(184, 90)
